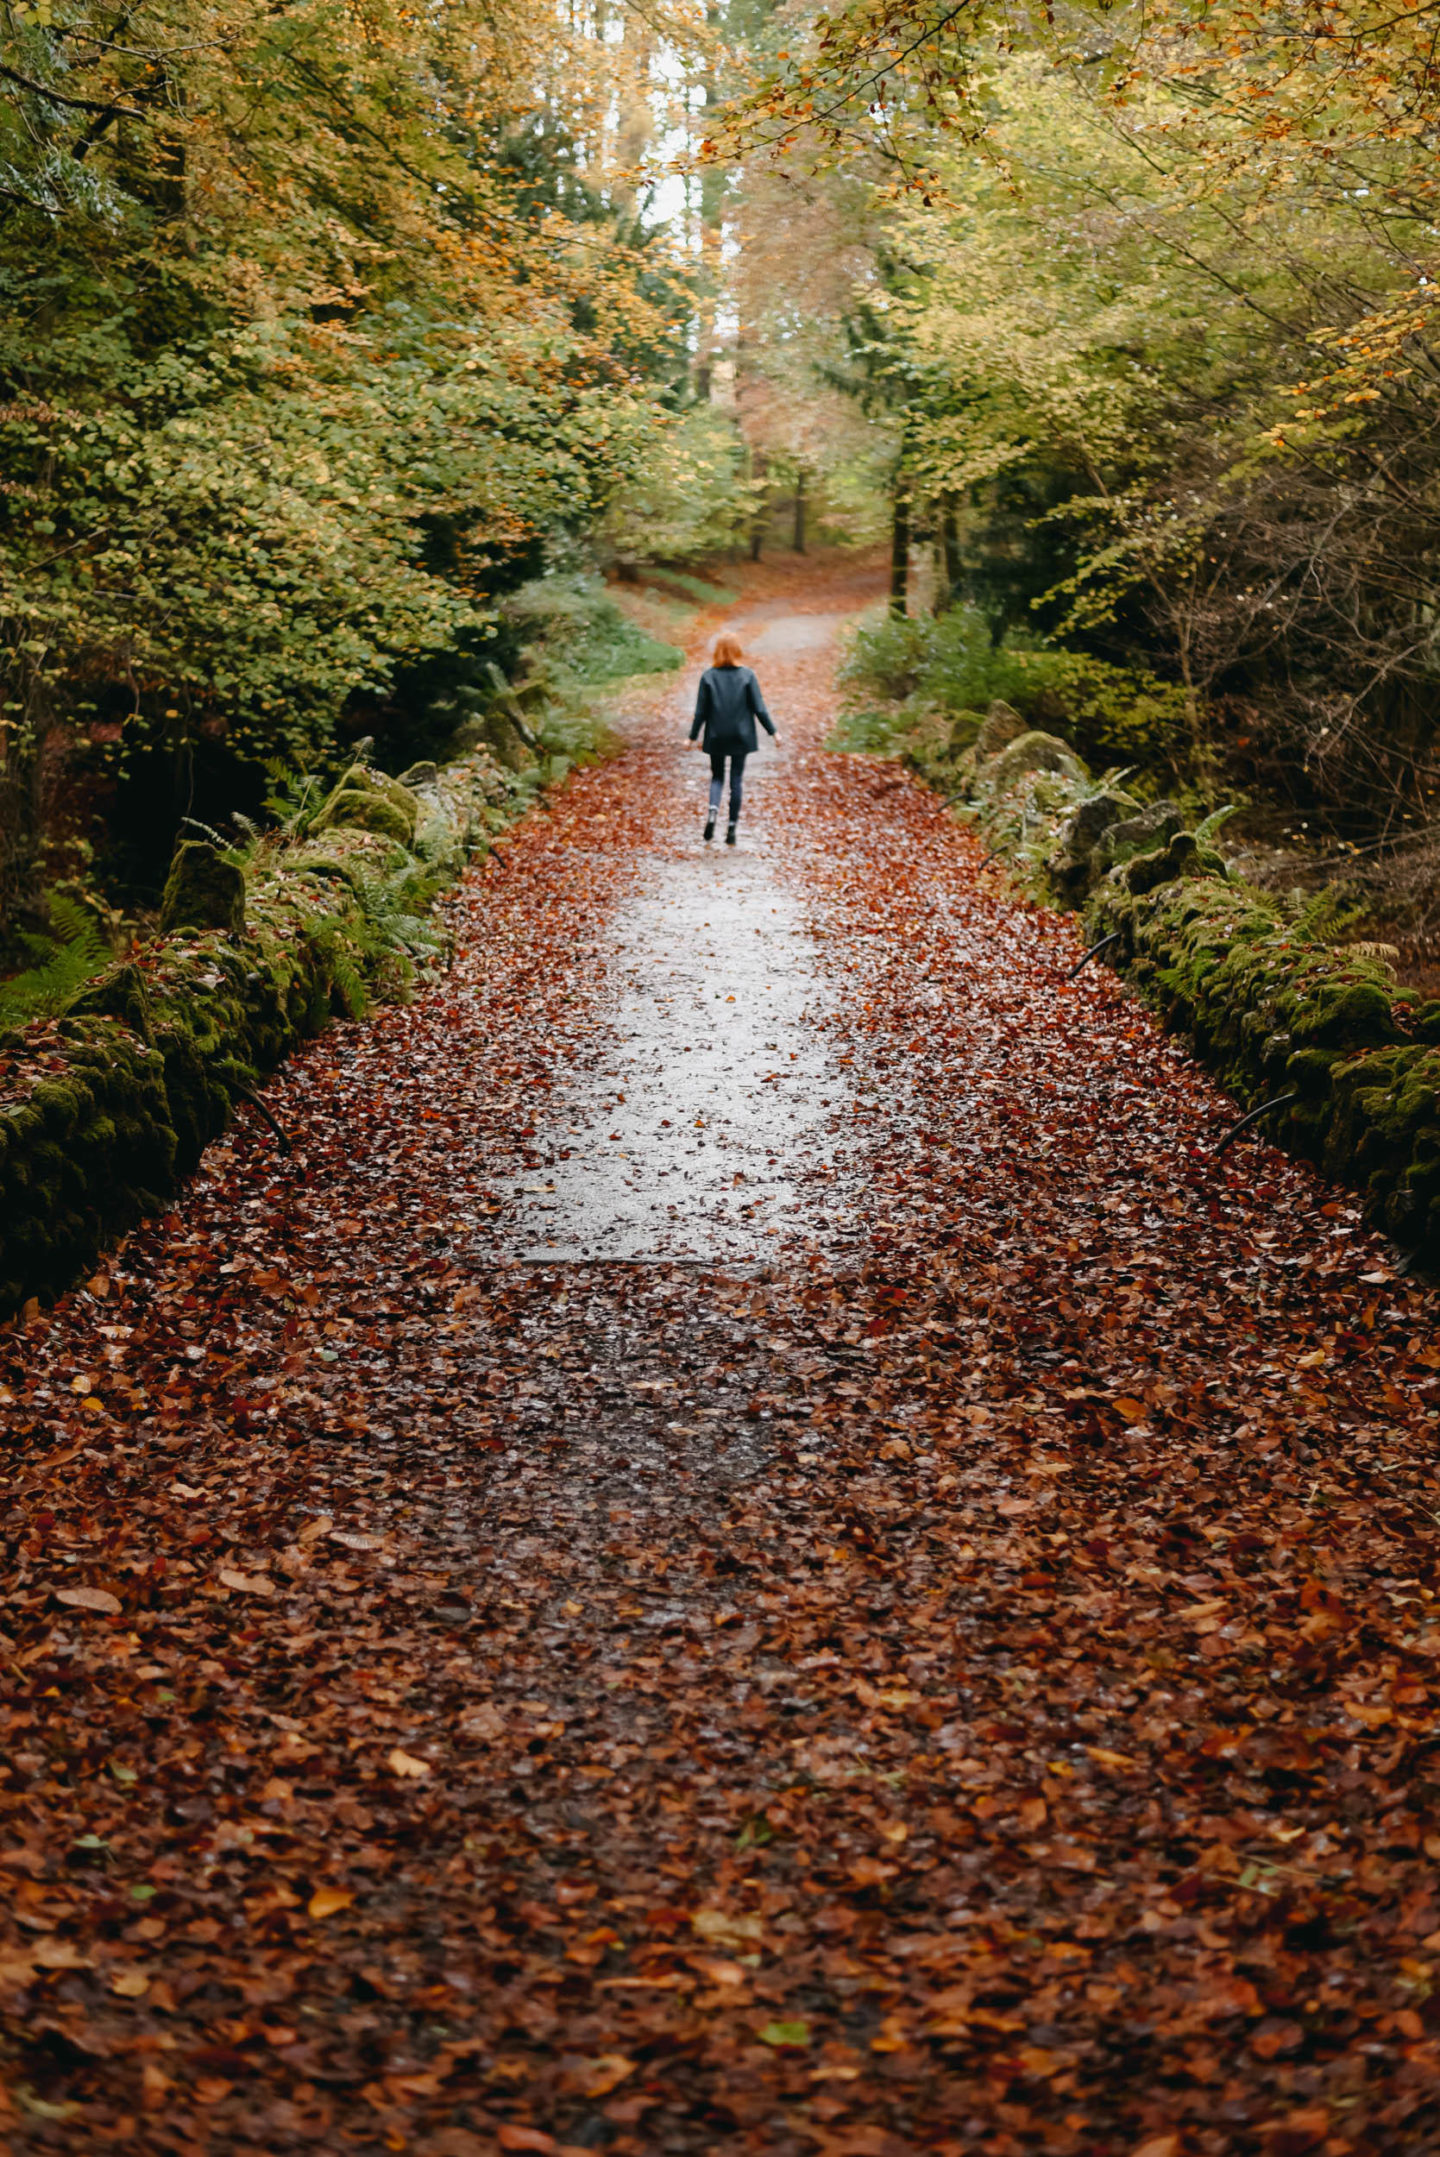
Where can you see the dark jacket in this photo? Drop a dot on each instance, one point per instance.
(727, 705)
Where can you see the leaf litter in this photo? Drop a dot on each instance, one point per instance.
(985, 1701)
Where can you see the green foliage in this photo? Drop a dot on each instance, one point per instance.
(60, 964)
(691, 497)
(949, 661)
(584, 637)
(279, 428)
(1324, 916)
(295, 798)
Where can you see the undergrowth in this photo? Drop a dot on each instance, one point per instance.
(60, 964)
(900, 669)
(583, 637)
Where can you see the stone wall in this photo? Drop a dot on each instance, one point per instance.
(107, 1108)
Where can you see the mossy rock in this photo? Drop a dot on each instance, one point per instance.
(202, 891)
(503, 737)
(368, 810)
(1310, 1071)
(1027, 753)
(1425, 1023)
(965, 730)
(1081, 833)
(1144, 832)
(1347, 1014)
(1001, 725)
(1183, 857)
(119, 994)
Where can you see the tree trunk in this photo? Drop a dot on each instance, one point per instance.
(949, 554)
(900, 552)
(800, 513)
(762, 511)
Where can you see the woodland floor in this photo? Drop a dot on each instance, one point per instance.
(800, 1574)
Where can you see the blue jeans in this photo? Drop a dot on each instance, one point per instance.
(736, 759)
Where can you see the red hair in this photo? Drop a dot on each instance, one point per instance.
(728, 652)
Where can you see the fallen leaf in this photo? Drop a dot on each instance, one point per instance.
(784, 2033)
(99, 1599)
(406, 1765)
(726, 1928)
(245, 1583)
(598, 2076)
(326, 1901)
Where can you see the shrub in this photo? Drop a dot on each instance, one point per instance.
(1112, 714)
(582, 634)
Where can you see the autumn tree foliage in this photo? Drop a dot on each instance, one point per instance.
(312, 323)
(1154, 290)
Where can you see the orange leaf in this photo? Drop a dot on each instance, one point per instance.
(327, 1900)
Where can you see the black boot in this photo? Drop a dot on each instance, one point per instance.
(709, 828)
(730, 834)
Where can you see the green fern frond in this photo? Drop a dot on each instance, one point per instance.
(72, 954)
(1325, 915)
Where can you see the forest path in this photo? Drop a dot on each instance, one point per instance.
(493, 1668)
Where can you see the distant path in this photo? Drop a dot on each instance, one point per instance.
(797, 1575)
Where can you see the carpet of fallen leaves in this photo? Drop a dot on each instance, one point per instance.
(1006, 1723)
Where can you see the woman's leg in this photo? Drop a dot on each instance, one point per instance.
(737, 782)
(717, 781)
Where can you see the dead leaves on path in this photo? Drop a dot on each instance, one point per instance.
(969, 1688)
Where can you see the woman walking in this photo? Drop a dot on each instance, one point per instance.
(726, 707)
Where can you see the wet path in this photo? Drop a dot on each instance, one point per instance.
(797, 1575)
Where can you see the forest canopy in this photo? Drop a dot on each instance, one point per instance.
(1146, 311)
(319, 325)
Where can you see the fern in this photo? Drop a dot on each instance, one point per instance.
(295, 797)
(1325, 915)
(1205, 833)
(61, 965)
(388, 903)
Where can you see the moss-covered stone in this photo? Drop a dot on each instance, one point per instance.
(109, 1107)
(1031, 752)
(366, 810)
(1130, 837)
(1182, 856)
(202, 891)
(1001, 725)
(1269, 1011)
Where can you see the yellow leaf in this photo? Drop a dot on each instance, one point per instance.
(130, 1984)
(327, 1900)
(1132, 1411)
(406, 1765)
(726, 1928)
(1109, 1759)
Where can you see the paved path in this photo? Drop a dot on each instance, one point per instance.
(797, 1574)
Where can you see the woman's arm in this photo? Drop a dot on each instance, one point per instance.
(703, 696)
(757, 705)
